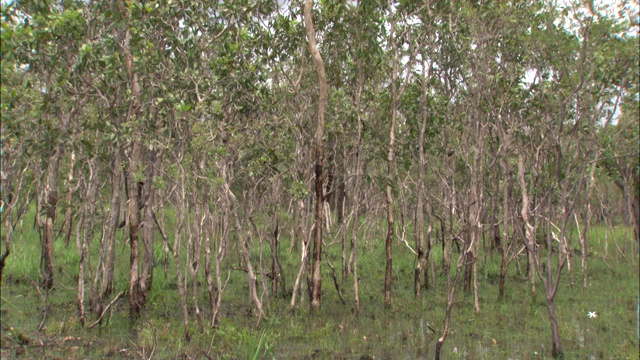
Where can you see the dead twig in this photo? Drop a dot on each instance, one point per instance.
(333, 273)
(105, 309)
(46, 310)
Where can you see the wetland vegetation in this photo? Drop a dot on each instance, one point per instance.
(342, 179)
(514, 327)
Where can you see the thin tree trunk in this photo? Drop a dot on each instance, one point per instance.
(556, 346)
(322, 104)
(248, 213)
(304, 256)
(135, 300)
(83, 238)
(181, 210)
(505, 227)
(208, 245)
(253, 291)
(421, 263)
(51, 202)
(68, 214)
(7, 236)
(529, 233)
(341, 199)
(194, 245)
(391, 159)
(549, 283)
(477, 194)
(215, 292)
(277, 272)
(357, 184)
(148, 225)
(9, 199)
(447, 241)
(587, 220)
(495, 227)
(106, 261)
(82, 251)
(450, 297)
(470, 260)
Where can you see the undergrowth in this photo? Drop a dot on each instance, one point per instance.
(516, 327)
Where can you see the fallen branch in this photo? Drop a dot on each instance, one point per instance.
(164, 235)
(44, 315)
(333, 273)
(105, 310)
(404, 241)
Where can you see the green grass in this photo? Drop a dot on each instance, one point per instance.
(516, 327)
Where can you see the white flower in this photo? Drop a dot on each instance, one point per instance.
(592, 314)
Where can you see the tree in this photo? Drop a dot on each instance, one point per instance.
(319, 198)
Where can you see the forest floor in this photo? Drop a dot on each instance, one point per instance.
(517, 327)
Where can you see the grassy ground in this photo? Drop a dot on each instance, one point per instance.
(516, 327)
